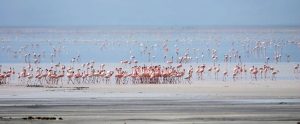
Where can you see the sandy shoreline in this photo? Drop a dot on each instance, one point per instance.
(201, 102)
(288, 88)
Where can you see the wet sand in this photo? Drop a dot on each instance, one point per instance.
(202, 102)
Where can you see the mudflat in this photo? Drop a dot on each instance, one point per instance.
(201, 102)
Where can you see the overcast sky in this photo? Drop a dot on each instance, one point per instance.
(148, 12)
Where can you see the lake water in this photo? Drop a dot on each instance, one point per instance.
(112, 44)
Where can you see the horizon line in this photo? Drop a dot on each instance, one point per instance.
(182, 26)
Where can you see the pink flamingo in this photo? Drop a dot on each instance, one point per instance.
(200, 71)
(274, 73)
(216, 71)
(254, 72)
(70, 76)
(190, 74)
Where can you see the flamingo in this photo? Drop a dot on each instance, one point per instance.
(245, 70)
(296, 71)
(274, 73)
(254, 72)
(119, 75)
(200, 71)
(29, 77)
(296, 68)
(169, 62)
(70, 76)
(261, 70)
(108, 76)
(216, 71)
(190, 74)
(209, 70)
(236, 70)
(225, 75)
(60, 76)
(234, 75)
(2, 78)
(78, 76)
(251, 70)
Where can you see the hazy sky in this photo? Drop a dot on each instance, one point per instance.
(148, 12)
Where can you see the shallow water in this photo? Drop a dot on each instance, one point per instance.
(112, 44)
(109, 45)
(286, 71)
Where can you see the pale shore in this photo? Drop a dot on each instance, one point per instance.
(201, 102)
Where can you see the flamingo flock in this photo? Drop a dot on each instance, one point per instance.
(60, 75)
(5, 76)
(169, 60)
